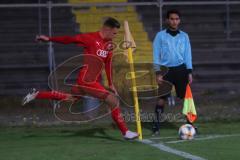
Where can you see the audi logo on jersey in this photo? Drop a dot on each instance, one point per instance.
(102, 53)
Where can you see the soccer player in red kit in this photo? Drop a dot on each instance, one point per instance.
(97, 55)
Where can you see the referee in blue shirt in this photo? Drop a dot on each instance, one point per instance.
(172, 49)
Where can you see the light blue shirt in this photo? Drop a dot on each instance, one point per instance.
(171, 51)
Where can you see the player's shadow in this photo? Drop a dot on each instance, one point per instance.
(98, 133)
(93, 133)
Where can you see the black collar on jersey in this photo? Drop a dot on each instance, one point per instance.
(173, 33)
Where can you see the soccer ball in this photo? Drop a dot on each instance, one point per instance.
(186, 132)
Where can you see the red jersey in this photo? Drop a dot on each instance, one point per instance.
(96, 53)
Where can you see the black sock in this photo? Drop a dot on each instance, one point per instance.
(159, 109)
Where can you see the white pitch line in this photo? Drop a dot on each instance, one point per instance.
(205, 138)
(159, 138)
(165, 148)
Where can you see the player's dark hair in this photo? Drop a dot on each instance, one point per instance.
(173, 11)
(111, 22)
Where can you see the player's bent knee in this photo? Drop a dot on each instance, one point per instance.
(112, 101)
(161, 102)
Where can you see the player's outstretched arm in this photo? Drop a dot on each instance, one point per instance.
(63, 39)
(42, 38)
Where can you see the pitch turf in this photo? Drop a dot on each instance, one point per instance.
(87, 142)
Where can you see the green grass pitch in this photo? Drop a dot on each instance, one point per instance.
(102, 142)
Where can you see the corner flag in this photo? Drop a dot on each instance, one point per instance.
(189, 106)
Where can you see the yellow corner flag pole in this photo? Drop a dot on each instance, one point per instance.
(129, 40)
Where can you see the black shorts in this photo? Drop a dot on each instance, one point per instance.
(178, 76)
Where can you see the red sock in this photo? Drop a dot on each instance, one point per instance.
(117, 117)
(52, 95)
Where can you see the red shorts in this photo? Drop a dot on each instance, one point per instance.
(89, 86)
